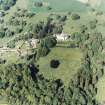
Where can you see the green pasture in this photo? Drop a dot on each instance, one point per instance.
(70, 62)
(58, 6)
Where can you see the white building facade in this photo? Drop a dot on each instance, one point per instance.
(62, 37)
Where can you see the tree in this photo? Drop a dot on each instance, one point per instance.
(75, 16)
(50, 41)
(43, 50)
(54, 63)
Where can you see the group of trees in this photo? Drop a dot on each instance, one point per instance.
(15, 24)
(6, 4)
(45, 45)
(24, 13)
(41, 4)
(36, 89)
(43, 29)
(91, 71)
(5, 32)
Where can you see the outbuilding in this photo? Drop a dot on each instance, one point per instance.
(62, 36)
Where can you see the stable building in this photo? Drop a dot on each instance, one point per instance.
(62, 36)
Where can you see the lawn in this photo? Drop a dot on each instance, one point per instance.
(70, 62)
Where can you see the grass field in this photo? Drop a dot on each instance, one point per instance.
(70, 62)
(65, 5)
(74, 26)
(58, 6)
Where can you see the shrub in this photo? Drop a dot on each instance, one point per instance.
(43, 50)
(93, 24)
(49, 8)
(2, 61)
(63, 18)
(2, 34)
(50, 42)
(38, 4)
(75, 16)
(30, 15)
(83, 28)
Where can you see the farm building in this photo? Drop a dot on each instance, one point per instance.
(62, 36)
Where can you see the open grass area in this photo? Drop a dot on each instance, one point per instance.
(66, 5)
(70, 62)
(58, 6)
(74, 25)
